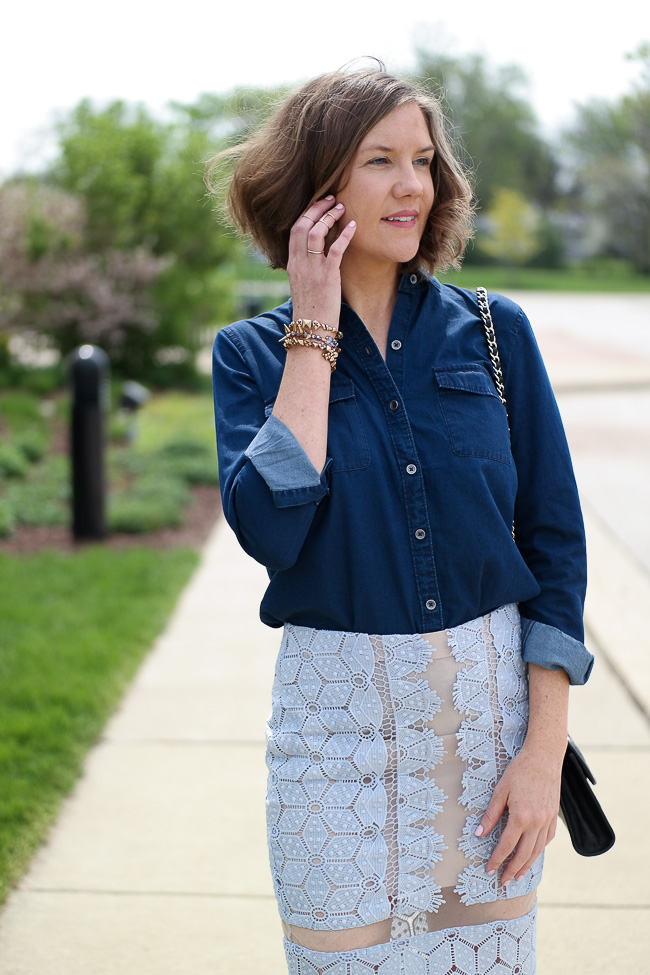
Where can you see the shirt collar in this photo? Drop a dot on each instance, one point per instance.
(413, 280)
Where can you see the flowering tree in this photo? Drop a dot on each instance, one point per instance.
(51, 283)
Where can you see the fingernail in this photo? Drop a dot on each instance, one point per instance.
(330, 197)
(352, 223)
(339, 206)
(506, 883)
(478, 831)
(491, 873)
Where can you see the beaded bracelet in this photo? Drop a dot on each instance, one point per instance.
(307, 326)
(303, 332)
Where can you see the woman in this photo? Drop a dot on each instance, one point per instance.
(419, 704)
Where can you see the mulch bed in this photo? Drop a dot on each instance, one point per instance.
(200, 517)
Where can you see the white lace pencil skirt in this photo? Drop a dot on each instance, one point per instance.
(383, 752)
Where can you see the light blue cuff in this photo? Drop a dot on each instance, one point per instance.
(555, 650)
(280, 460)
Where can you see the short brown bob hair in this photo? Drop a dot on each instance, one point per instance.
(302, 152)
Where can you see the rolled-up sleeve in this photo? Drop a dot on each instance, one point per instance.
(269, 488)
(280, 460)
(555, 650)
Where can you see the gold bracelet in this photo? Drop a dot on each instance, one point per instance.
(309, 325)
(329, 347)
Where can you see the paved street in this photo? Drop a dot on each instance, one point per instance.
(158, 864)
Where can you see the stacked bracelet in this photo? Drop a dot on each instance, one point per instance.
(305, 332)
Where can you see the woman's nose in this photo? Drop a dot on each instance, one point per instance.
(408, 183)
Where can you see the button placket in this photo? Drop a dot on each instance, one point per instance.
(386, 376)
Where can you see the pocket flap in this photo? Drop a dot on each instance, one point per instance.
(341, 389)
(468, 379)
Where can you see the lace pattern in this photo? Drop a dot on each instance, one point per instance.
(355, 818)
(499, 947)
(349, 802)
(491, 690)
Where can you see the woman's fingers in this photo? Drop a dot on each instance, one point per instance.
(495, 809)
(531, 821)
(543, 839)
(312, 227)
(519, 847)
(317, 234)
(314, 274)
(338, 248)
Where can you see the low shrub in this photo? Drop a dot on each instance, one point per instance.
(150, 503)
(7, 519)
(34, 504)
(136, 514)
(32, 444)
(20, 409)
(192, 460)
(13, 462)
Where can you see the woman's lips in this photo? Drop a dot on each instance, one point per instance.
(401, 219)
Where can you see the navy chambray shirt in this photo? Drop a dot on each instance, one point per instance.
(408, 528)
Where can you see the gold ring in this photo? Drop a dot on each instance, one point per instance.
(322, 220)
(315, 252)
(308, 217)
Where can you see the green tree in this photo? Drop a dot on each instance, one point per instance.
(494, 122)
(229, 117)
(511, 228)
(141, 183)
(51, 283)
(609, 158)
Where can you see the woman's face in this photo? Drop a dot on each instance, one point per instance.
(388, 190)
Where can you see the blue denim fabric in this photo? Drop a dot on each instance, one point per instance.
(408, 527)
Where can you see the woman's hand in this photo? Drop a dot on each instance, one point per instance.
(302, 403)
(529, 789)
(314, 276)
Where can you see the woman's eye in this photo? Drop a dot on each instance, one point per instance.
(423, 161)
(379, 161)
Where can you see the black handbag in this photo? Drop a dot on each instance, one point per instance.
(589, 829)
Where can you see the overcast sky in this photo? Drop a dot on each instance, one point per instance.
(56, 52)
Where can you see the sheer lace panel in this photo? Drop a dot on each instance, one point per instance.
(491, 690)
(383, 752)
(502, 947)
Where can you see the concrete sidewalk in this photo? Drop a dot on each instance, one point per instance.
(158, 863)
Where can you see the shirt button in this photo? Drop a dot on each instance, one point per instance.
(413, 279)
(394, 404)
(411, 469)
(420, 534)
(396, 344)
(431, 604)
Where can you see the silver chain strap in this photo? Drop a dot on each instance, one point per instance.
(493, 349)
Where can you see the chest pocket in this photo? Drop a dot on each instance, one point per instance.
(347, 443)
(473, 413)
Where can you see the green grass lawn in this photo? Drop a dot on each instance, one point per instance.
(74, 627)
(608, 276)
(602, 275)
(175, 416)
(171, 446)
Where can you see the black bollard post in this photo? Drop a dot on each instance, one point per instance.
(89, 377)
